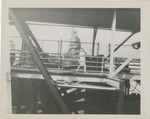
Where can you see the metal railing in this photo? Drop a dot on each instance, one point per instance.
(60, 62)
(64, 61)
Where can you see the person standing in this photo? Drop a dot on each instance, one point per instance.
(74, 46)
(71, 56)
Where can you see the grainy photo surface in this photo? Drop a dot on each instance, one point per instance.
(75, 60)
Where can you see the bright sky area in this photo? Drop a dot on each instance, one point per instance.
(56, 33)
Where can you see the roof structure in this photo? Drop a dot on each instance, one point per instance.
(127, 19)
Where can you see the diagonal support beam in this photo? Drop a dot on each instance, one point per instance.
(38, 61)
(29, 32)
(94, 38)
(122, 43)
(125, 63)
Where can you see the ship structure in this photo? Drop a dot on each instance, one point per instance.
(49, 83)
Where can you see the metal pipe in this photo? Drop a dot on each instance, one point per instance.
(112, 44)
(94, 38)
(121, 43)
(124, 42)
(121, 98)
(97, 48)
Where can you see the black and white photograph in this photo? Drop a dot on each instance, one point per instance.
(75, 61)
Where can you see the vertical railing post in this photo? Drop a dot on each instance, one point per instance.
(102, 67)
(61, 57)
(58, 55)
(58, 44)
(97, 48)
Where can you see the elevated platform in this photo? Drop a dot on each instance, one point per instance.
(54, 71)
(67, 78)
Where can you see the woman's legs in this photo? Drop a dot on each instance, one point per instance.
(81, 64)
(78, 67)
(84, 68)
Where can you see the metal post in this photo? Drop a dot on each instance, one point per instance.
(97, 48)
(112, 44)
(102, 67)
(108, 50)
(61, 55)
(94, 38)
(58, 53)
(58, 50)
(38, 61)
(121, 98)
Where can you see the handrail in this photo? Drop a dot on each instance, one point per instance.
(67, 54)
(77, 56)
(29, 57)
(65, 60)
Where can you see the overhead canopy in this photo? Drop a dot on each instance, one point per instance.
(127, 19)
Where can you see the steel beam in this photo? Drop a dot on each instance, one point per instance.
(94, 38)
(38, 61)
(122, 43)
(112, 44)
(125, 63)
(29, 32)
(97, 48)
(121, 98)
